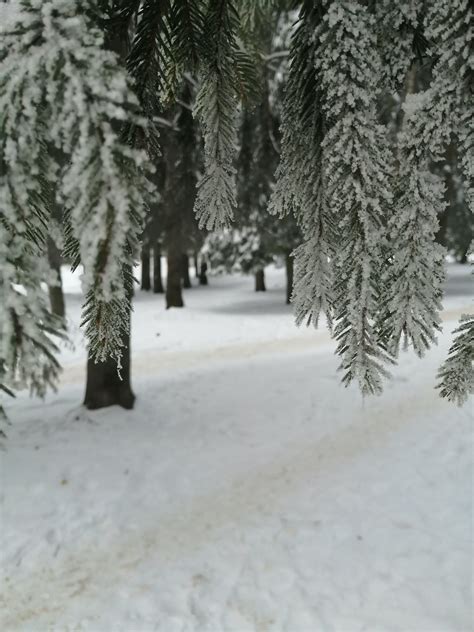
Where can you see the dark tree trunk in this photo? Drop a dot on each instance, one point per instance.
(196, 264)
(289, 278)
(145, 257)
(105, 387)
(465, 254)
(174, 294)
(185, 271)
(157, 281)
(203, 274)
(260, 281)
(56, 295)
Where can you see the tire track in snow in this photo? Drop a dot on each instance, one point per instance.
(157, 361)
(48, 593)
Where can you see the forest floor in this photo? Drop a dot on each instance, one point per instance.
(247, 492)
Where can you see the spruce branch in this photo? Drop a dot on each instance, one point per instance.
(215, 108)
(456, 374)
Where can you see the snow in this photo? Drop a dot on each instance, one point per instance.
(247, 492)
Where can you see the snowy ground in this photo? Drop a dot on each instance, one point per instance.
(248, 491)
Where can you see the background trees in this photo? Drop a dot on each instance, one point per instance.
(365, 193)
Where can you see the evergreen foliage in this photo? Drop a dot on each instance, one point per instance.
(78, 125)
(457, 372)
(299, 186)
(215, 108)
(60, 88)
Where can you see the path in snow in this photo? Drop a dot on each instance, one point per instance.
(359, 523)
(248, 492)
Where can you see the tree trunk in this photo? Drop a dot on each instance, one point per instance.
(145, 257)
(196, 264)
(157, 281)
(203, 274)
(174, 294)
(185, 271)
(56, 295)
(105, 387)
(289, 278)
(260, 281)
(464, 258)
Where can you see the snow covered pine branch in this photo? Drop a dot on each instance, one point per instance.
(368, 209)
(366, 200)
(63, 99)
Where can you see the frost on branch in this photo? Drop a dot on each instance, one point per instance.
(61, 89)
(401, 38)
(334, 176)
(216, 106)
(299, 185)
(457, 372)
(434, 118)
(356, 170)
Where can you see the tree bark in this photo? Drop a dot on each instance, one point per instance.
(157, 281)
(203, 274)
(185, 271)
(105, 387)
(56, 294)
(174, 294)
(289, 277)
(196, 264)
(145, 257)
(260, 281)
(464, 258)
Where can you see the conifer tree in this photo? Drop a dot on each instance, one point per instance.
(53, 59)
(367, 206)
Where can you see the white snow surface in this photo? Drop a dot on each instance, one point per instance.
(247, 492)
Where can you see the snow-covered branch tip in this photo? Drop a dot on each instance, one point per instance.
(62, 89)
(456, 374)
(216, 109)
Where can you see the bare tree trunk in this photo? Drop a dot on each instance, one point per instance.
(289, 277)
(157, 281)
(203, 274)
(56, 294)
(196, 264)
(105, 387)
(464, 256)
(145, 257)
(185, 271)
(260, 281)
(174, 294)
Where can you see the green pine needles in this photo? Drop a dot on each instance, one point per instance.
(82, 90)
(457, 372)
(61, 89)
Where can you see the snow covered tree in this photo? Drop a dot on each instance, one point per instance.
(216, 109)
(369, 214)
(60, 88)
(78, 126)
(256, 238)
(336, 177)
(443, 113)
(457, 372)
(456, 223)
